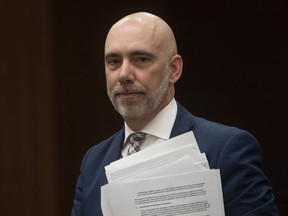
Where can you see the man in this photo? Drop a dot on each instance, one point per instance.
(142, 65)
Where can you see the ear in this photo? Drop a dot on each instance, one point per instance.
(176, 65)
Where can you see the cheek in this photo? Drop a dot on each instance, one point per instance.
(111, 80)
(152, 83)
(157, 78)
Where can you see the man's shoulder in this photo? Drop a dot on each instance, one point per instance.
(203, 123)
(111, 144)
(104, 144)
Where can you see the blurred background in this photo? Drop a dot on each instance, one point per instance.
(53, 100)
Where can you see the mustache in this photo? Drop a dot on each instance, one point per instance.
(120, 89)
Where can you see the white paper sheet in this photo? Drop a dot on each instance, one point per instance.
(171, 178)
(193, 194)
(159, 161)
(186, 139)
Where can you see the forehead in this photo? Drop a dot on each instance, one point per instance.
(129, 37)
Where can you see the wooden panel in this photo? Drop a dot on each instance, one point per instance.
(27, 156)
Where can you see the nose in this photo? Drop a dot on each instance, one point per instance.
(126, 74)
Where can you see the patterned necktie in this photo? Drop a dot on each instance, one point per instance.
(134, 141)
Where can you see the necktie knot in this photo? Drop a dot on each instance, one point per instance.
(134, 141)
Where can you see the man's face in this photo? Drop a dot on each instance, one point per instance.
(137, 72)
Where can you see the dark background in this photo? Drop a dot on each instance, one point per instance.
(53, 99)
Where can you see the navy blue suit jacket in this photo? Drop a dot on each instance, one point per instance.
(246, 189)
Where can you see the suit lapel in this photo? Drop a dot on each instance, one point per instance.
(183, 122)
(114, 152)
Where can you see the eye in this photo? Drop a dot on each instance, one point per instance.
(113, 62)
(142, 59)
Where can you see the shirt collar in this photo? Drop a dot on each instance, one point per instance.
(161, 125)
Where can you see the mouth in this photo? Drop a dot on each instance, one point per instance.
(129, 95)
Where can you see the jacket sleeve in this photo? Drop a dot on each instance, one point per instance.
(246, 189)
(77, 209)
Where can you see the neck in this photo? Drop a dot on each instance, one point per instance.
(137, 124)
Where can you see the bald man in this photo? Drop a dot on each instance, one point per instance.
(142, 65)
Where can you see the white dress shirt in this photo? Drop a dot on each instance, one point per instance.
(158, 130)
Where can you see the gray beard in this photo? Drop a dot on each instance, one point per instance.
(145, 104)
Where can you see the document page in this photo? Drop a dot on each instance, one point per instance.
(183, 140)
(188, 194)
(171, 178)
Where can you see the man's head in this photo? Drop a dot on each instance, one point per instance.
(141, 66)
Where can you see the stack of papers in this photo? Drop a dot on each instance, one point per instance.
(170, 178)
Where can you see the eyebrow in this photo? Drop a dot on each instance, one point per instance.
(111, 54)
(133, 53)
(141, 52)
